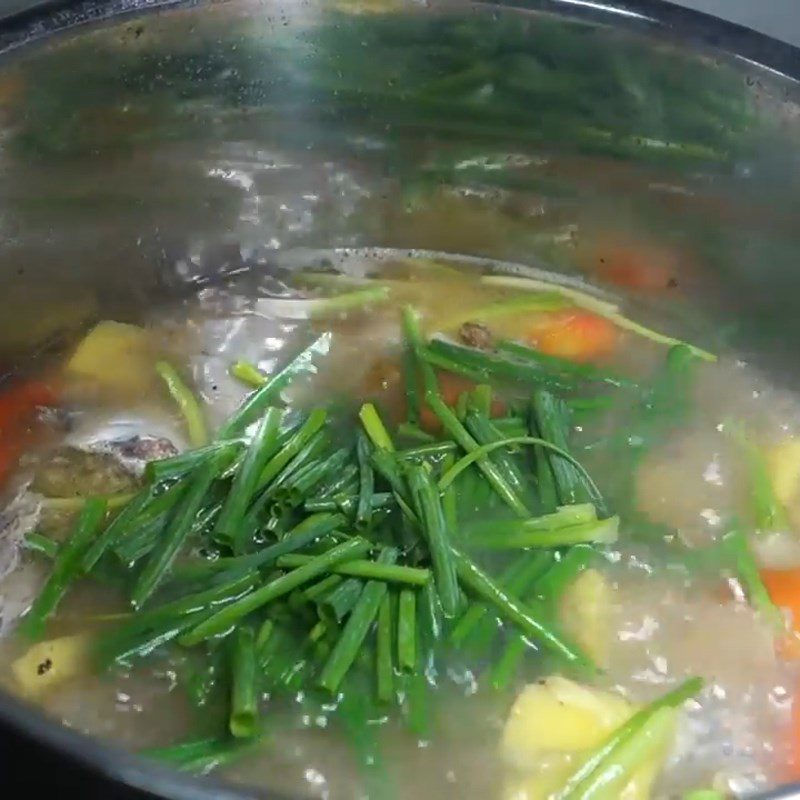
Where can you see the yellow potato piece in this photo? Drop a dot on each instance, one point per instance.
(783, 463)
(553, 726)
(559, 715)
(585, 614)
(49, 663)
(115, 358)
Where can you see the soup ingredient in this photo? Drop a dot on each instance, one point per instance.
(114, 358)
(374, 427)
(355, 631)
(171, 541)
(247, 373)
(567, 368)
(391, 573)
(19, 405)
(191, 493)
(406, 631)
(356, 299)
(511, 609)
(584, 611)
(556, 723)
(229, 526)
(587, 297)
(518, 534)
(783, 467)
(515, 305)
(203, 755)
(270, 390)
(451, 387)
(544, 594)
(574, 335)
(783, 586)
(52, 662)
(572, 484)
(738, 551)
(221, 620)
(384, 645)
(460, 434)
(477, 335)
(302, 555)
(607, 310)
(136, 452)
(186, 402)
(557, 714)
(769, 513)
(66, 566)
(70, 472)
(244, 684)
(426, 501)
(646, 735)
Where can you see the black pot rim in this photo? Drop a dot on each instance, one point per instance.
(43, 18)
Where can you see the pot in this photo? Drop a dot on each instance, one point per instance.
(151, 148)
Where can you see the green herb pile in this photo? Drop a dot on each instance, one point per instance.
(301, 552)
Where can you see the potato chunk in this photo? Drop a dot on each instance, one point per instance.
(49, 663)
(585, 613)
(555, 724)
(115, 359)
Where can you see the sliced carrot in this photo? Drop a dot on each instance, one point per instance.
(18, 426)
(783, 586)
(18, 403)
(573, 334)
(451, 387)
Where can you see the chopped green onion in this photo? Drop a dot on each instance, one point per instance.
(167, 548)
(375, 428)
(407, 630)
(509, 608)
(384, 666)
(375, 570)
(232, 613)
(355, 631)
(269, 392)
(622, 751)
(66, 567)
(243, 722)
(434, 526)
(186, 402)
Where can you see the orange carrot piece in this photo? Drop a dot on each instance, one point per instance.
(573, 334)
(783, 586)
(18, 427)
(18, 403)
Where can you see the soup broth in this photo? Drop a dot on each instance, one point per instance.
(669, 541)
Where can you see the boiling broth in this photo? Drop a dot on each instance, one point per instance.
(664, 621)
